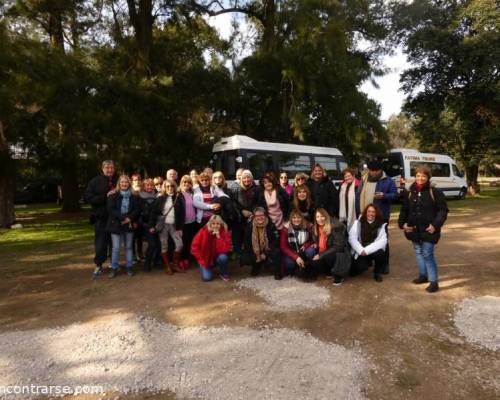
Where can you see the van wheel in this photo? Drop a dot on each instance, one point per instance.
(462, 194)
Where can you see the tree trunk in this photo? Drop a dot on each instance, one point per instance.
(7, 216)
(56, 29)
(269, 21)
(69, 169)
(142, 20)
(472, 171)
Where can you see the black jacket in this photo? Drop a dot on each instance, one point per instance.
(421, 210)
(243, 199)
(115, 217)
(179, 210)
(273, 256)
(96, 194)
(283, 198)
(146, 210)
(325, 195)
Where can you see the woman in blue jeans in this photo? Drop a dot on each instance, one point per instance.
(123, 210)
(296, 244)
(422, 215)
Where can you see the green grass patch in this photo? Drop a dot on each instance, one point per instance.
(42, 233)
(407, 379)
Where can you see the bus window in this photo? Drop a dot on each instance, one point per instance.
(329, 163)
(293, 163)
(441, 170)
(342, 165)
(226, 162)
(393, 165)
(259, 163)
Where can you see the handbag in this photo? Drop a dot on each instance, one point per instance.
(160, 221)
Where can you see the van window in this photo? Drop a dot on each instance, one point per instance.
(393, 165)
(441, 170)
(259, 163)
(456, 171)
(225, 162)
(293, 163)
(329, 163)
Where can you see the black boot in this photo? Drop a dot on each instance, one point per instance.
(420, 279)
(433, 287)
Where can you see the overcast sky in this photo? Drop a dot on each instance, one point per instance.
(387, 95)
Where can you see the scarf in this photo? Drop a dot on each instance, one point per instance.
(369, 231)
(368, 189)
(148, 197)
(297, 237)
(125, 201)
(322, 240)
(347, 204)
(260, 242)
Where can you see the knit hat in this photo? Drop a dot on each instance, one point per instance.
(374, 165)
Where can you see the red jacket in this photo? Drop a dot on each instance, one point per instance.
(206, 246)
(285, 246)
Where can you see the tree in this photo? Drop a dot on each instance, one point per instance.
(454, 88)
(401, 131)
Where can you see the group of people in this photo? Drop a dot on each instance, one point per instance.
(307, 229)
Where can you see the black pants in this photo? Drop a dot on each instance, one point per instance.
(272, 262)
(152, 240)
(102, 240)
(363, 263)
(137, 246)
(324, 265)
(188, 233)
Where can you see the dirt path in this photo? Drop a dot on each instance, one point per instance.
(407, 333)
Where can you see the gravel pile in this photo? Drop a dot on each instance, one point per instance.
(478, 320)
(287, 294)
(130, 354)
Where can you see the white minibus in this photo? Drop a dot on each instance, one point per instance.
(238, 151)
(401, 163)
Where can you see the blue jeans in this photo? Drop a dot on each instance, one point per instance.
(222, 261)
(116, 239)
(291, 266)
(425, 260)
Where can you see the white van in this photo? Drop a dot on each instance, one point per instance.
(238, 151)
(401, 163)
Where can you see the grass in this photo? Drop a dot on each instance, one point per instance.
(44, 227)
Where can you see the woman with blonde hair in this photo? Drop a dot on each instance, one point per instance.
(123, 210)
(167, 219)
(347, 198)
(210, 247)
(300, 179)
(158, 181)
(190, 226)
(330, 241)
(206, 199)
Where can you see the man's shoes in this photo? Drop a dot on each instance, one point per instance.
(337, 281)
(433, 287)
(378, 277)
(421, 279)
(97, 273)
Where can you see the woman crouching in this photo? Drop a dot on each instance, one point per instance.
(330, 240)
(368, 240)
(296, 245)
(210, 247)
(261, 245)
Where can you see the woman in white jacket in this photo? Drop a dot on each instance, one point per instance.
(368, 240)
(206, 199)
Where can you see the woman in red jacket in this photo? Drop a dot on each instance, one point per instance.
(210, 248)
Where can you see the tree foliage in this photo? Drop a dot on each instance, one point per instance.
(454, 86)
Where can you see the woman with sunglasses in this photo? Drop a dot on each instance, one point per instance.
(284, 183)
(300, 179)
(206, 199)
(167, 219)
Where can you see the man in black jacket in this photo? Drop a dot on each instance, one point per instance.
(96, 194)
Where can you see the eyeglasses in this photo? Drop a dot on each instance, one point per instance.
(300, 179)
(169, 186)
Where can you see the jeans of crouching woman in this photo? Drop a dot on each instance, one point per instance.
(116, 239)
(426, 262)
(291, 266)
(222, 261)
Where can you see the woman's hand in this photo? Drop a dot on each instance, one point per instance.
(300, 262)
(363, 253)
(316, 257)
(430, 229)
(126, 221)
(179, 233)
(246, 213)
(152, 230)
(216, 206)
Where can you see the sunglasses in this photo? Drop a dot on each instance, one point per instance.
(169, 186)
(300, 179)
